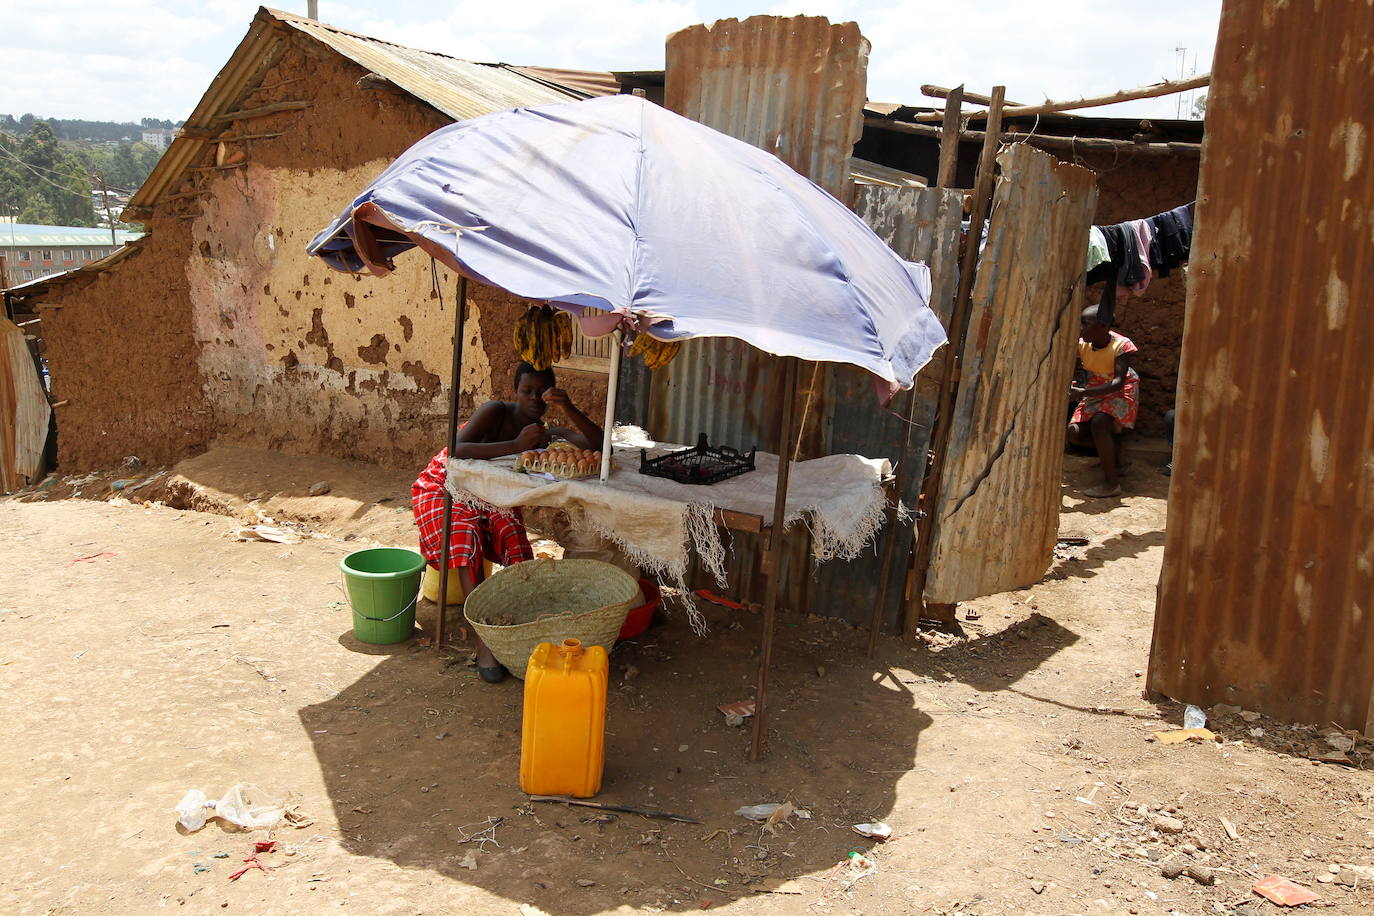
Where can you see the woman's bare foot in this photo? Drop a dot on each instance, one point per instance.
(1103, 490)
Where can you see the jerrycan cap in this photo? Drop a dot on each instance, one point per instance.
(571, 648)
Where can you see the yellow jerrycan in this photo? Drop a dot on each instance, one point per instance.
(563, 744)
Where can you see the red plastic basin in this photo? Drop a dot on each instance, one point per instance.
(639, 618)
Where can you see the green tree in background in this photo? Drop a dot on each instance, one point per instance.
(45, 181)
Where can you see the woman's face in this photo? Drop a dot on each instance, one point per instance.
(528, 391)
(1093, 331)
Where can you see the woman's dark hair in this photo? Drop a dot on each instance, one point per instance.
(523, 368)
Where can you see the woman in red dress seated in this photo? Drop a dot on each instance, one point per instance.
(498, 428)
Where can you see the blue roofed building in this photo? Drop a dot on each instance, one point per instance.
(36, 251)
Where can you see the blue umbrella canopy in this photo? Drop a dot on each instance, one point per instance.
(673, 228)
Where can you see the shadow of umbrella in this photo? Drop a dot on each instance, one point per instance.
(418, 755)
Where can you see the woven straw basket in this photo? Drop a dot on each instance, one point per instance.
(550, 601)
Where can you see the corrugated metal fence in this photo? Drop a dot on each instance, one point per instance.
(1267, 594)
(998, 515)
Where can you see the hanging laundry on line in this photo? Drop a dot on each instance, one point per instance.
(1128, 255)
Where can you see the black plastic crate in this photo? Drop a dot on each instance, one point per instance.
(701, 464)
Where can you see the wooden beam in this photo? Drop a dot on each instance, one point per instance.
(235, 138)
(940, 92)
(1154, 90)
(949, 139)
(1043, 141)
(244, 114)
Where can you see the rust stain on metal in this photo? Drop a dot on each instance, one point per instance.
(1266, 597)
(999, 506)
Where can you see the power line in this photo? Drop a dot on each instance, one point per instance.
(40, 177)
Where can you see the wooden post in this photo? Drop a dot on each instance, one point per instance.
(949, 160)
(958, 331)
(455, 387)
(775, 539)
(949, 139)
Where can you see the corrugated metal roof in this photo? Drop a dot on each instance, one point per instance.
(458, 88)
(587, 83)
(1266, 597)
(18, 235)
(998, 512)
(36, 289)
(863, 172)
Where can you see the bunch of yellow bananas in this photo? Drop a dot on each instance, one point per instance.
(655, 353)
(543, 336)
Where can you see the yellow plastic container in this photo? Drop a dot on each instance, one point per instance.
(429, 584)
(563, 745)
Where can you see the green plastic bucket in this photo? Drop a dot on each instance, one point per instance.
(383, 584)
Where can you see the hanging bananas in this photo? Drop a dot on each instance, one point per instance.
(655, 353)
(542, 336)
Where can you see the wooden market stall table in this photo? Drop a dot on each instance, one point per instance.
(659, 523)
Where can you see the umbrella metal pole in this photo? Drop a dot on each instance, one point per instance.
(612, 392)
(455, 388)
(775, 538)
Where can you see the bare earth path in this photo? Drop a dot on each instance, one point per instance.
(144, 651)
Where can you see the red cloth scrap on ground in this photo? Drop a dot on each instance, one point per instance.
(498, 536)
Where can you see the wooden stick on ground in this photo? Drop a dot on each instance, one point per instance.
(1154, 90)
(644, 812)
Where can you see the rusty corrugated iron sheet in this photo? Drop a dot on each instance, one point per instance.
(1266, 597)
(920, 225)
(24, 411)
(791, 85)
(587, 83)
(795, 87)
(458, 88)
(998, 513)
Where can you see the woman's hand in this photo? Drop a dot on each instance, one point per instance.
(1078, 391)
(531, 437)
(557, 397)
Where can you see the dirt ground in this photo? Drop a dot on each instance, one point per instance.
(145, 651)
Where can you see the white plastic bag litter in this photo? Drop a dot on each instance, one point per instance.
(191, 809)
(251, 807)
(765, 811)
(244, 805)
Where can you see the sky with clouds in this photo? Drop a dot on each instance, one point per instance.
(127, 59)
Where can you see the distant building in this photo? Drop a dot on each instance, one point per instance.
(36, 251)
(158, 137)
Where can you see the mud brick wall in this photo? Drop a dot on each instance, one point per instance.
(222, 330)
